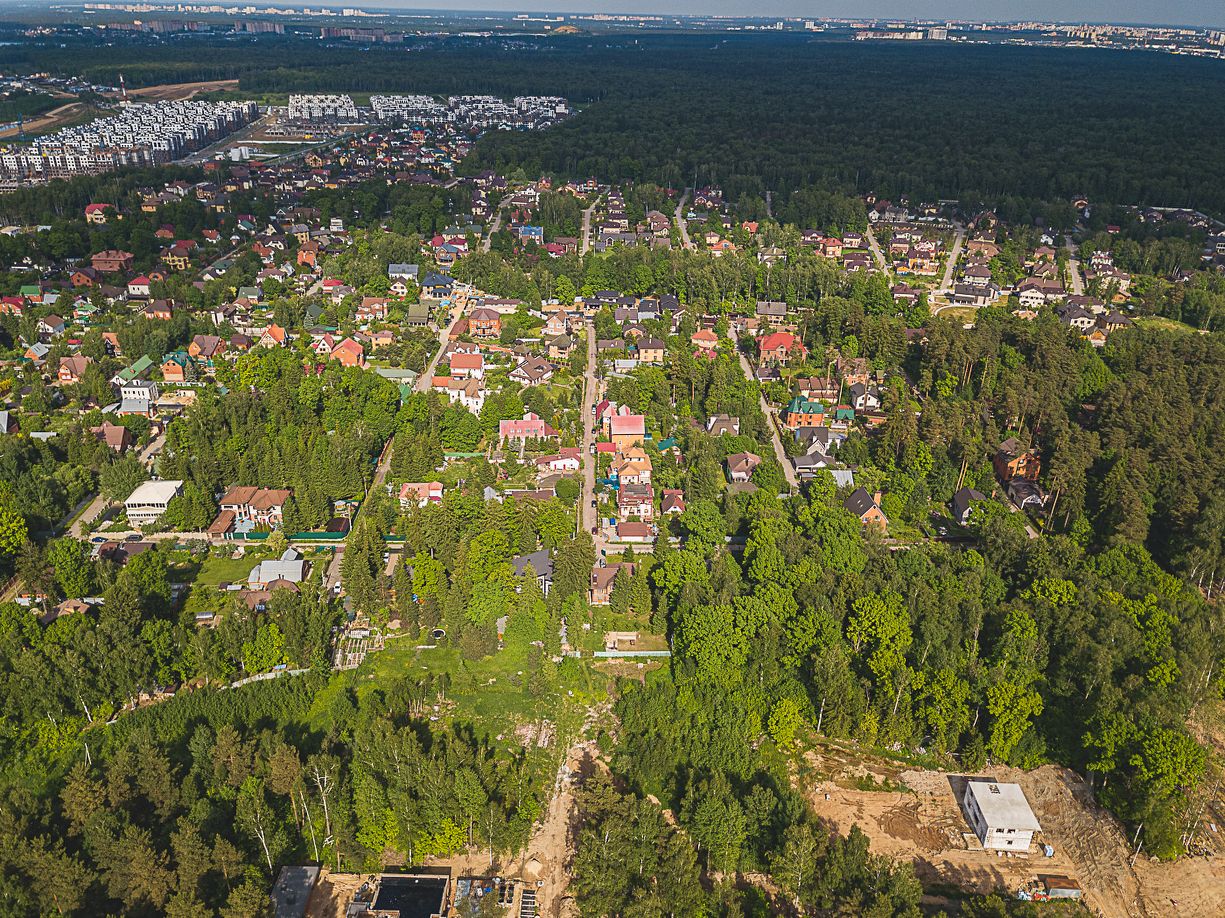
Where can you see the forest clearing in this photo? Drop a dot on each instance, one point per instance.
(913, 814)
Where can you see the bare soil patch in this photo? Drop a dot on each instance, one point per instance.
(173, 92)
(917, 817)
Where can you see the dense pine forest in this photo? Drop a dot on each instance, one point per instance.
(772, 113)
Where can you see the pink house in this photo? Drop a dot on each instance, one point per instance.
(532, 427)
(420, 493)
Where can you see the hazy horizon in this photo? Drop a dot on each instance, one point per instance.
(1201, 13)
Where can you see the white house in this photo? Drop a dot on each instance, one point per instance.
(1000, 815)
(148, 502)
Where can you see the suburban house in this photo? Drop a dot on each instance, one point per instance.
(541, 563)
(420, 493)
(1000, 815)
(485, 323)
(632, 467)
(290, 568)
(148, 502)
(672, 501)
(179, 367)
(467, 392)
(205, 347)
(116, 436)
(138, 397)
(274, 336)
(1014, 460)
(740, 466)
(963, 504)
(867, 508)
(560, 347)
(112, 261)
(468, 366)
(626, 430)
(802, 412)
(636, 501)
(779, 348)
(255, 507)
(72, 369)
(531, 427)
(532, 371)
(651, 350)
(50, 327)
(349, 353)
(603, 578)
(772, 313)
(721, 424)
(372, 308)
(565, 459)
(437, 286)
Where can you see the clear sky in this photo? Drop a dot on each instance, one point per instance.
(1180, 12)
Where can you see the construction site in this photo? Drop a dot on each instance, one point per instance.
(915, 815)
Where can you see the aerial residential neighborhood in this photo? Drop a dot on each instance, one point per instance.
(546, 464)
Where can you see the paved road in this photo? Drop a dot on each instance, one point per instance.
(946, 285)
(100, 503)
(686, 242)
(1078, 283)
(585, 240)
(771, 419)
(493, 228)
(332, 575)
(876, 252)
(88, 515)
(423, 381)
(590, 389)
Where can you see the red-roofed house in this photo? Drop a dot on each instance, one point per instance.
(259, 506)
(626, 430)
(420, 493)
(273, 336)
(138, 287)
(98, 214)
(531, 427)
(779, 348)
(349, 353)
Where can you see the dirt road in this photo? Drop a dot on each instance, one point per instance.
(50, 121)
(174, 92)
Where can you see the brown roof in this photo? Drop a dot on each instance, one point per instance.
(257, 498)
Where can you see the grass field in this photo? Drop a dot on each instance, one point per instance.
(958, 314)
(1163, 324)
(496, 694)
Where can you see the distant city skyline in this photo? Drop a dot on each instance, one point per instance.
(1202, 13)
